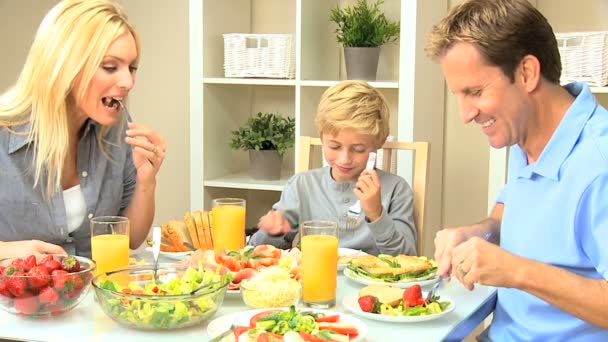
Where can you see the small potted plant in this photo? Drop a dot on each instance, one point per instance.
(266, 136)
(362, 30)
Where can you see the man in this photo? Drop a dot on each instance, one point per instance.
(500, 59)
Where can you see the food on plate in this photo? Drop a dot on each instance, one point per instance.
(393, 301)
(44, 285)
(131, 296)
(278, 325)
(191, 233)
(388, 268)
(175, 236)
(271, 287)
(387, 294)
(248, 261)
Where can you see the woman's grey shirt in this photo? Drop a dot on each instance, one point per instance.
(316, 195)
(25, 211)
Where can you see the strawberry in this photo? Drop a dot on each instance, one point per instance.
(4, 289)
(2, 269)
(12, 269)
(29, 263)
(27, 305)
(50, 263)
(47, 295)
(54, 308)
(72, 293)
(62, 280)
(70, 264)
(369, 303)
(38, 277)
(16, 284)
(412, 296)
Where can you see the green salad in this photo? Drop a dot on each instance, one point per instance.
(168, 303)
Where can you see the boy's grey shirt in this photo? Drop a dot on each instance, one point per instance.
(316, 195)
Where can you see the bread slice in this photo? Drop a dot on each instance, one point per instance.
(176, 234)
(189, 221)
(387, 294)
(204, 230)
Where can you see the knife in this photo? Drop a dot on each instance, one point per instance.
(219, 337)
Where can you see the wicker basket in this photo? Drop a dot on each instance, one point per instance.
(259, 55)
(584, 57)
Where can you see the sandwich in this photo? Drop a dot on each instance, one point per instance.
(386, 294)
(387, 268)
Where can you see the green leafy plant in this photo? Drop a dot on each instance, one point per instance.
(363, 26)
(265, 131)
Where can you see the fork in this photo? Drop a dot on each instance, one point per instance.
(354, 211)
(431, 293)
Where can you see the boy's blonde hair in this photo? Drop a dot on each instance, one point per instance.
(354, 105)
(67, 50)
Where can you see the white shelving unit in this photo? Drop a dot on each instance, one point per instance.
(220, 105)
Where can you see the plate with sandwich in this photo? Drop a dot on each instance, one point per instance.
(179, 238)
(345, 255)
(401, 270)
(388, 305)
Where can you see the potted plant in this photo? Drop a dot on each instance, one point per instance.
(266, 136)
(362, 30)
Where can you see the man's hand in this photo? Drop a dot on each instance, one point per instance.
(482, 262)
(274, 223)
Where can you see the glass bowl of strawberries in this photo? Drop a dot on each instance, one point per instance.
(44, 285)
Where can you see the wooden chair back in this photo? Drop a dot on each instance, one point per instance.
(420, 150)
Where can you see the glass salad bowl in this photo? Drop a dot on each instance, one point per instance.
(131, 296)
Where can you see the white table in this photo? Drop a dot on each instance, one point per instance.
(87, 322)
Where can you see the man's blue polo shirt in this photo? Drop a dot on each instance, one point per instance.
(556, 212)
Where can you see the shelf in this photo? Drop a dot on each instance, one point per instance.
(249, 81)
(599, 90)
(242, 180)
(377, 84)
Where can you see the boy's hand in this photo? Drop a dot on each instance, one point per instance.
(274, 223)
(368, 192)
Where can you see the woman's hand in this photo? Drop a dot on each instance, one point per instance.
(28, 247)
(367, 190)
(274, 223)
(149, 151)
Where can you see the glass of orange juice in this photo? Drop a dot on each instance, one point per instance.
(228, 224)
(319, 267)
(110, 243)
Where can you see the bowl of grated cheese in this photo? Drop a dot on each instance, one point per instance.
(272, 287)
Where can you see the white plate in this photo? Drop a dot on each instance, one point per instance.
(351, 303)
(402, 284)
(172, 255)
(342, 251)
(223, 323)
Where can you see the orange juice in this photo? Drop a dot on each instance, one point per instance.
(228, 223)
(110, 252)
(319, 267)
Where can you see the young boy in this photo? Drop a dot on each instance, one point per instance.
(352, 120)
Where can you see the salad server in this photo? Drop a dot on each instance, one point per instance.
(155, 248)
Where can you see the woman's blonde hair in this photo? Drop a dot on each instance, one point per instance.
(503, 31)
(354, 105)
(67, 51)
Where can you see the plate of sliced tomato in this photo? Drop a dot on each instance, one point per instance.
(328, 322)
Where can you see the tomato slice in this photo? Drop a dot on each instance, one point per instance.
(269, 337)
(239, 329)
(330, 318)
(340, 327)
(259, 315)
(310, 338)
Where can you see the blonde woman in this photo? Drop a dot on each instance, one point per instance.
(352, 120)
(67, 150)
